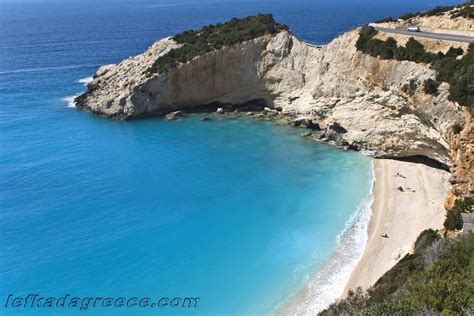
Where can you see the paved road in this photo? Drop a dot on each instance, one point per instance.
(440, 36)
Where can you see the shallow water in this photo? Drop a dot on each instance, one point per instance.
(236, 212)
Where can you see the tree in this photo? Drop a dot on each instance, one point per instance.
(430, 86)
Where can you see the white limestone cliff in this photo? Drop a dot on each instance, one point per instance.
(332, 84)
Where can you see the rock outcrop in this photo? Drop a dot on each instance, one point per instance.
(326, 85)
(462, 155)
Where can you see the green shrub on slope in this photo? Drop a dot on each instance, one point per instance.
(437, 279)
(454, 219)
(464, 10)
(430, 86)
(459, 73)
(212, 37)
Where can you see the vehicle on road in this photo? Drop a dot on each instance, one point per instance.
(413, 29)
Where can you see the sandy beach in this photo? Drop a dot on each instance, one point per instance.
(401, 215)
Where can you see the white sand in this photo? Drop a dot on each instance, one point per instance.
(400, 215)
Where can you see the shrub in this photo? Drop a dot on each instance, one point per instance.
(434, 252)
(388, 49)
(463, 10)
(212, 37)
(415, 51)
(365, 35)
(445, 68)
(461, 81)
(426, 238)
(386, 20)
(410, 88)
(457, 128)
(436, 279)
(439, 10)
(459, 73)
(453, 218)
(454, 52)
(407, 16)
(430, 86)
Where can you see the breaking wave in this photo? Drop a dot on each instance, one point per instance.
(70, 100)
(45, 69)
(328, 283)
(85, 80)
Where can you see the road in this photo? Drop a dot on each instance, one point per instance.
(440, 36)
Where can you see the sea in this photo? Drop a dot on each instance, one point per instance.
(235, 214)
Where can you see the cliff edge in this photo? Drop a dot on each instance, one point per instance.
(326, 85)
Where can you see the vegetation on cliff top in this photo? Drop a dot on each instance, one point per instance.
(458, 72)
(464, 10)
(453, 217)
(437, 279)
(213, 37)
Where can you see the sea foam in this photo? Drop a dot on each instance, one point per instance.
(85, 81)
(42, 69)
(69, 100)
(328, 283)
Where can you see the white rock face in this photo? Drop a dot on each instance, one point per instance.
(334, 83)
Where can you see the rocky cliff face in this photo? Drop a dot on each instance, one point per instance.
(462, 155)
(333, 84)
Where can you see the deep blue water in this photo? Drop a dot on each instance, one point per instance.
(235, 212)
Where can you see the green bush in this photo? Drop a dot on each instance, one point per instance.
(430, 86)
(437, 279)
(410, 88)
(461, 81)
(385, 20)
(425, 239)
(365, 35)
(439, 10)
(463, 10)
(454, 52)
(457, 128)
(212, 37)
(459, 73)
(407, 16)
(453, 218)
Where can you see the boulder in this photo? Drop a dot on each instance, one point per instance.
(104, 69)
(306, 123)
(336, 127)
(174, 115)
(270, 112)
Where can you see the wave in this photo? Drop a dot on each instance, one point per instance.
(45, 69)
(70, 100)
(85, 80)
(328, 284)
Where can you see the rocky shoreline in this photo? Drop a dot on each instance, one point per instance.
(335, 93)
(358, 101)
(332, 134)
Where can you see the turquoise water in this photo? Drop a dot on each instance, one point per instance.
(236, 212)
(227, 210)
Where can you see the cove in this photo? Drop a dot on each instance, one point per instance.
(236, 212)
